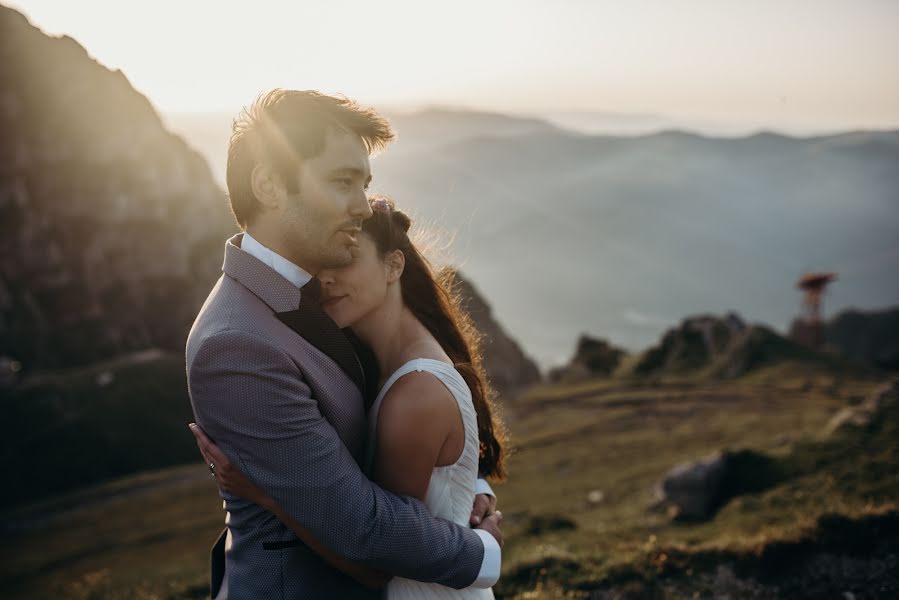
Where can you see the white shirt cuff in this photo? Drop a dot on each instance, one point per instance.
(493, 560)
(482, 487)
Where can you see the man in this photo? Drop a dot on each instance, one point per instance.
(281, 390)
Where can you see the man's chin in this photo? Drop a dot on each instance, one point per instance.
(342, 257)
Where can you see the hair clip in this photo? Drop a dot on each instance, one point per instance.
(380, 204)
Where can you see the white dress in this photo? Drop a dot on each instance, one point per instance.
(451, 489)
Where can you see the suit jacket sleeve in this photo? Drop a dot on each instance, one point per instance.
(250, 397)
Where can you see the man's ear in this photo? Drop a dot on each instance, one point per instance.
(395, 262)
(266, 186)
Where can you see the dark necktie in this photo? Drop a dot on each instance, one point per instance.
(315, 326)
(311, 293)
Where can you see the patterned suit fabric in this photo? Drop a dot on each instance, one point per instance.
(294, 421)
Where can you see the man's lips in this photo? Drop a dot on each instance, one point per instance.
(332, 300)
(351, 232)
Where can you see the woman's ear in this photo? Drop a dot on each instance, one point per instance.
(266, 186)
(395, 262)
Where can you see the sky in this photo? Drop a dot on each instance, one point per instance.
(794, 65)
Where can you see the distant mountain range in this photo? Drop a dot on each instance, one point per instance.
(621, 236)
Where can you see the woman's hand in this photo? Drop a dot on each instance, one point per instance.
(229, 478)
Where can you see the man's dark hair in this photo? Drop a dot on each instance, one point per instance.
(283, 127)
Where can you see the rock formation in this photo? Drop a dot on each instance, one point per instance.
(867, 337)
(508, 367)
(720, 347)
(111, 228)
(593, 357)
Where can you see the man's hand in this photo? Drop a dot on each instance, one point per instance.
(490, 524)
(484, 505)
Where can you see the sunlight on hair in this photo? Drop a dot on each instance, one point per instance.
(435, 242)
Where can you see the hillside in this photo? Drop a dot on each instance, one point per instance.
(112, 227)
(578, 504)
(129, 413)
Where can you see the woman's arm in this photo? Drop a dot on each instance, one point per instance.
(419, 427)
(233, 481)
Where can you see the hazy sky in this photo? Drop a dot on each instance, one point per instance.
(796, 63)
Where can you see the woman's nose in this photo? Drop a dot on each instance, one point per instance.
(326, 279)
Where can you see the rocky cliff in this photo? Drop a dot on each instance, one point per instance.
(111, 227)
(508, 367)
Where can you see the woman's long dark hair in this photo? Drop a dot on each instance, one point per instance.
(434, 300)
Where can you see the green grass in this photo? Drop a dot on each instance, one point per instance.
(148, 536)
(622, 441)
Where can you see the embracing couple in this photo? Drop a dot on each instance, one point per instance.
(336, 384)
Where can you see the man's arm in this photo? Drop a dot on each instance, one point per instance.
(233, 481)
(250, 398)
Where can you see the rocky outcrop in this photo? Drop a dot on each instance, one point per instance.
(111, 228)
(759, 346)
(868, 337)
(593, 357)
(867, 412)
(508, 367)
(722, 347)
(695, 343)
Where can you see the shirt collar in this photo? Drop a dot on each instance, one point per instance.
(286, 269)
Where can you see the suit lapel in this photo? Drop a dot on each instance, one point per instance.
(283, 297)
(312, 324)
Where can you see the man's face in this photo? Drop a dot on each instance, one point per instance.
(321, 222)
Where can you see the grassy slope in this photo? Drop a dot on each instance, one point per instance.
(68, 428)
(611, 436)
(621, 441)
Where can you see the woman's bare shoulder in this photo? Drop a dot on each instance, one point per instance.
(417, 395)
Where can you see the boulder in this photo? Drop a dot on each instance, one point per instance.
(694, 488)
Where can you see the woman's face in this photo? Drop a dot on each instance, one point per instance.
(349, 293)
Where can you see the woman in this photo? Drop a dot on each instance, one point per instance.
(432, 427)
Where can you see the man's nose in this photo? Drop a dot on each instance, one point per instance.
(361, 208)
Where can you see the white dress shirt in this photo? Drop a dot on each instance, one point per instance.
(490, 567)
(286, 269)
